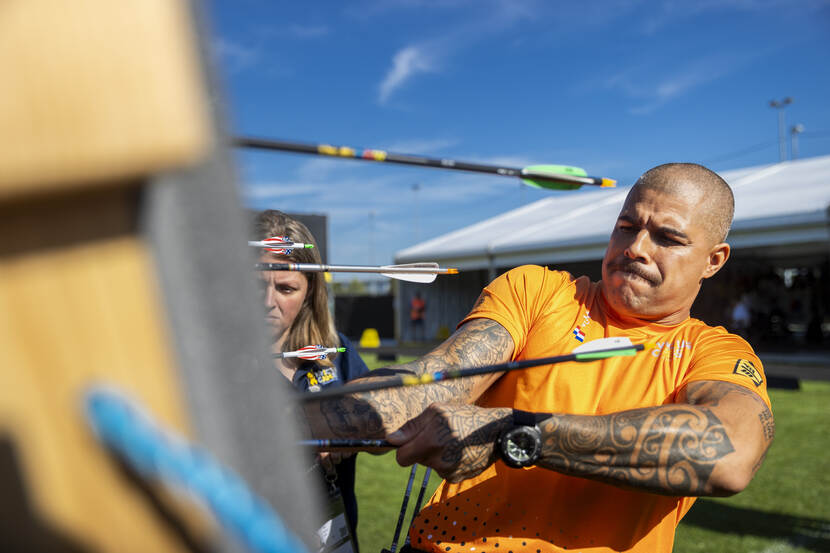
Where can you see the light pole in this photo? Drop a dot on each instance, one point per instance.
(371, 238)
(794, 132)
(782, 143)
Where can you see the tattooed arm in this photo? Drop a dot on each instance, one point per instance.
(375, 414)
(710, 443)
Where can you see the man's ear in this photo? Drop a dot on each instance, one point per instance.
(717, 258)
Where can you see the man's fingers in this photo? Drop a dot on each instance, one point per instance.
(419, 440)
(414, 451)
(412, 447)
(408, 431)
(325, 460)
(337, 457)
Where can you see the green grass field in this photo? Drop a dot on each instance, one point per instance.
(786, 508)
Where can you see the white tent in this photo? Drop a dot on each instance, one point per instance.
(780, 208)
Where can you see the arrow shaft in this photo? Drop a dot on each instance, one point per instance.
(317, 268)
(411, 380)
(335, 443)
(307, 353)
(419, 501)
(347, 152)
(404, 503)
(292, 245)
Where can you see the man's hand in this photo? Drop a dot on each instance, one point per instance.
(330, 459)
(456, 440)
(375, 414)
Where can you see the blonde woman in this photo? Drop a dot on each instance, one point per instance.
(297, 314)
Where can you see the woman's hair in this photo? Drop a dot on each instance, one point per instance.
(313, 324)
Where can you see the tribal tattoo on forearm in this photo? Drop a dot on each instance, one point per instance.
(669, 450)
(371, 414)
(468, 435)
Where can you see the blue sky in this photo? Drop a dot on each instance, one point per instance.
(613, 87)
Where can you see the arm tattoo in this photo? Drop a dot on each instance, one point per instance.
(480, 429)
(711, 393)
(479, 342)
(367, 415)
(670, 450)
(767, 423)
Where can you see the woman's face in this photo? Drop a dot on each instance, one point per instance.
(285, 292)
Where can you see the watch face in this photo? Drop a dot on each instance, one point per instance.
(521, 446)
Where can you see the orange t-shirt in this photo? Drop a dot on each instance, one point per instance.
(539, 510)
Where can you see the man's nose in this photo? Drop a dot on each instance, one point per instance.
(638, 248)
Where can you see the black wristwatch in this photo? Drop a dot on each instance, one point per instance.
(521, 446)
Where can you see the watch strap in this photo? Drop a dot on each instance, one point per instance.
(526, 418)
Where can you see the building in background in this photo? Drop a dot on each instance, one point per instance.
(778, 276)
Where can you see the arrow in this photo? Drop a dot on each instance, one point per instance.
(279, 244)
(552, 177)
(418, 501)
(410, 272)
(332, 443)
(312, 353)
(401, 516)
(585, 355)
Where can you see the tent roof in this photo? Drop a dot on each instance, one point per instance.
(779, 205)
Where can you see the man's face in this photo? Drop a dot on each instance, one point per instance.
(657, 255)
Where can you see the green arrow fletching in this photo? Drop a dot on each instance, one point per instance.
(592, 356)
(554, 170)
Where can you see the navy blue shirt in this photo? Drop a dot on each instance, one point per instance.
(347, 366)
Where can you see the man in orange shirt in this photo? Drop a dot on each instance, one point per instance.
(601, 457)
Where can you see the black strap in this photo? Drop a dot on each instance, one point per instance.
(526, 418)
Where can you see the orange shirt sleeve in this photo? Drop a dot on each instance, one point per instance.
(720, 355)
(515, 299)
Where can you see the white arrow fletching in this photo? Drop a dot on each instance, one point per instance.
(603, 343)
(423, 278)
(401, 274)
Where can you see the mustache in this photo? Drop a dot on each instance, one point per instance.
(636, 269)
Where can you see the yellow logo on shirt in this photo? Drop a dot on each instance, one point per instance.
(747, 369)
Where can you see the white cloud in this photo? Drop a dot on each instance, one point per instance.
(233, 56)
(678, 85)
(407, 62)
(429, 55)
(651, 90)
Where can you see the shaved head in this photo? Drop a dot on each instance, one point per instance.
(667, 239)
(716, 204)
